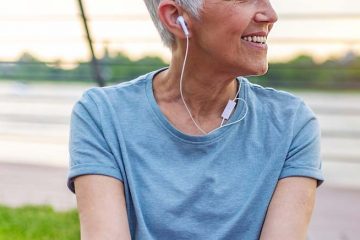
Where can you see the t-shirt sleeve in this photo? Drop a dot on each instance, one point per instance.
(88, 148)
(303, 158)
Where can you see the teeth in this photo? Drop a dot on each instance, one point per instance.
(257, 39)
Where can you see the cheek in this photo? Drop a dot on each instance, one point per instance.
(213, 41)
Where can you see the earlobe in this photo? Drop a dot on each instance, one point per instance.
(170, 14)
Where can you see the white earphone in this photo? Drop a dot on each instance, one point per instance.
(180, 20)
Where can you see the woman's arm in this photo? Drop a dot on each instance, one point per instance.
(290, 209)
(102, 208)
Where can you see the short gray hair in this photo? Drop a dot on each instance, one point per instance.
(193, 7)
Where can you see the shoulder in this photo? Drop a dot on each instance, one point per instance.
(121, 95)
(273, 100)
(269, 95)
(279, 107)
(105, 102)
(127, 88)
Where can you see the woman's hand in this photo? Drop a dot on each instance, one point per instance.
(102, 208)
(290, 209)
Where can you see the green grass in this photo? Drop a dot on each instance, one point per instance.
(38, 223)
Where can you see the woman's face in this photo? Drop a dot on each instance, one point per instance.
(233, 33)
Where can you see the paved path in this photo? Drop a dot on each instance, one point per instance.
(30, 184)
(336, 215)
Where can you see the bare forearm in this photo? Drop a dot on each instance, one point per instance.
(102, 208)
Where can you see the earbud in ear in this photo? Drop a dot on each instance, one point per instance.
(180, 20)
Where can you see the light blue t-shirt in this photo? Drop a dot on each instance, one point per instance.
(178, 186)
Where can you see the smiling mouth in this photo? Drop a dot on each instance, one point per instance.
(255, 39)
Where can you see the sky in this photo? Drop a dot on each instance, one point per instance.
(52, 30)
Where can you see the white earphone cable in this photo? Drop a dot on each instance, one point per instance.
(181, 80)
(187, 108)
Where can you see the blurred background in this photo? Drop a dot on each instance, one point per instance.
(52, 51)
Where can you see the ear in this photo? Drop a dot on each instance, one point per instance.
(168, 12)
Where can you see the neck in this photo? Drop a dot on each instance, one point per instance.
(205, 92)
(206, 88)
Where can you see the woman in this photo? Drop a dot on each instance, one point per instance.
(159, 158)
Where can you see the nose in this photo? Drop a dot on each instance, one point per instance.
(266, 13)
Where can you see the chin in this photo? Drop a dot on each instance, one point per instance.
(258, 70)
(263, 70)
